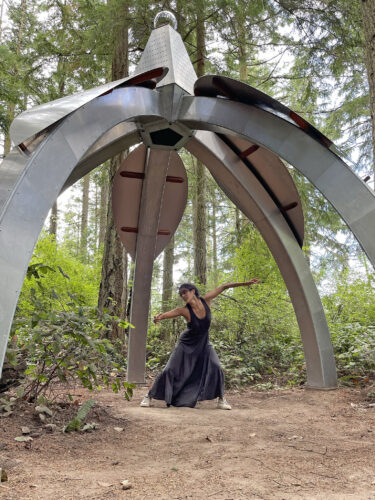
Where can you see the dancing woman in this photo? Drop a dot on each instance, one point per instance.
(193, 372)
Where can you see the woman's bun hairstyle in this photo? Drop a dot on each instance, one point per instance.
(189, 286)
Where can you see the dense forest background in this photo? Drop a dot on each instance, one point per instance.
(315, 56)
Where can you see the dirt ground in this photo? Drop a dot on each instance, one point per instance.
(285, 444)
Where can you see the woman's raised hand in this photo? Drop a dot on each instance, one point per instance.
(158, 318)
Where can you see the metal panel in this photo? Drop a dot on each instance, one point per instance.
(35, 120)
(166, 48)
(349, 195)
(149, 215)
(33, 192)
(127, 193)
(247, 193)
(275, 177)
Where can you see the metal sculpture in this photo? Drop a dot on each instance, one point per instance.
(238, 132)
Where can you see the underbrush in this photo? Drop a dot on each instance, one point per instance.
(265, 360)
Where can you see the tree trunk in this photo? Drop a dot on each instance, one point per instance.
(1, 18)
(214, 242)
(103, 207)
(168, 260)
(368, 17)
(84, 215)
(12, 107)
(53, 220)
(111, 293)
(199, 208)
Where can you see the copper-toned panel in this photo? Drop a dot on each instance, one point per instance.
(276, 176)
(126, 198)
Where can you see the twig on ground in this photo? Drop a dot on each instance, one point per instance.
(309, 451)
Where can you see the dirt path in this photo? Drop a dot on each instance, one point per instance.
(276, 445)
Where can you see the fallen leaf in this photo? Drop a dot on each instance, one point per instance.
(22, 439)
(118, 429)
(104, 485)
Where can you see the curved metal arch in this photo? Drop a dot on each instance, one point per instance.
(34, 182)
(349, 195)
(248, 194)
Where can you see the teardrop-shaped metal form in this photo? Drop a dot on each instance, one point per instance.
(127, 195)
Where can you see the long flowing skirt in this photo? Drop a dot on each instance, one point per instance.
(193, 373)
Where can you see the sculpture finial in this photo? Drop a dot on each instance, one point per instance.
(165, 17)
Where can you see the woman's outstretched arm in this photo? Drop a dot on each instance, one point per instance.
(179, 311)
(220, 289)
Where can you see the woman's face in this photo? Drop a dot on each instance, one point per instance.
(186, 294)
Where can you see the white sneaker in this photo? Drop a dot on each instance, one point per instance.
(222, 404)
(146, 401)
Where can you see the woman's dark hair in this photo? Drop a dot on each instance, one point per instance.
(189, 286)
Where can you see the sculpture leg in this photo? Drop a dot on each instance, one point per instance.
(157, 162)
(247, 193)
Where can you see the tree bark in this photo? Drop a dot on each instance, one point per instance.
(84, 215)
(103, 207)
(12, 106)
(1, 18)
(214, 242)
(111, 293)
(53, 220)
(168, 261)
(199, 208)
(368, 17)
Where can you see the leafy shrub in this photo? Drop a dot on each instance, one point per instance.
(65, 340)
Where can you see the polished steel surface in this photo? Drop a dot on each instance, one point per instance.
(349, 195)
(166, 48)
(37, 183)
(213, 86)
(127, 194)
(156, 170)
(247, 193)
(165, 16)
(35, 120)
(113, 142)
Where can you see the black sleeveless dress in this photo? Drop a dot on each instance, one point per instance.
(193, 372)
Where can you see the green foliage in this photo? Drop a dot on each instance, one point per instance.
(54, 276)
(63, 340)
(76, 423)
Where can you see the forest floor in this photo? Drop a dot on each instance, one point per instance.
(279, 444)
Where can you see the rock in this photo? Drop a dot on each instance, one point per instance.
(126, 485)
(35, 435)
(118, 429)
(42, 417)
(25, 430)
(252, 434)
(22, 439)
(90, 427)
(50, 427)
(43, 409)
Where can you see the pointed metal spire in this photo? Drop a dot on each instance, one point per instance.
(166, 48)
